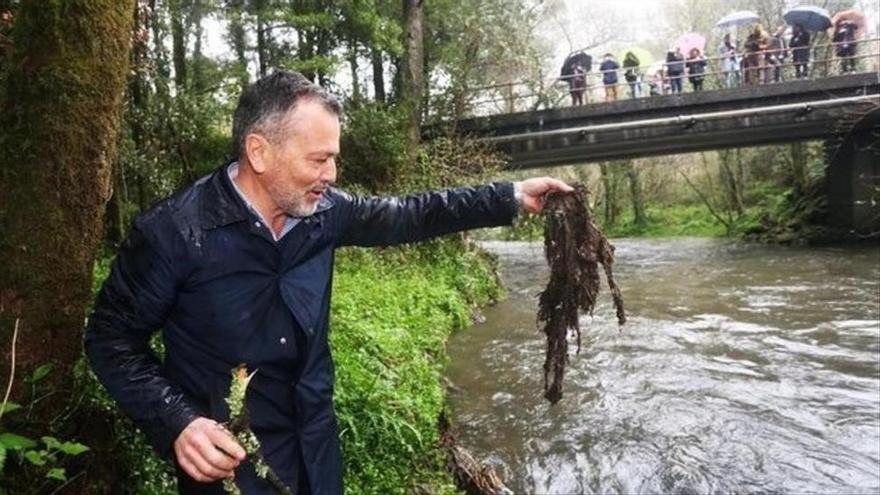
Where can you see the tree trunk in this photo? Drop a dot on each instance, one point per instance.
(238, 41)
(59, 124)
(378, 75)
(412, 68)
(178, 45)
(262, 41)
(635, 190)
(610, 209)
(798, 168)
(160, 54)
(198, 15)
(729, 177)
(353, 65)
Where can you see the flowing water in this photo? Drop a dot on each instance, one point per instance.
(741, 369)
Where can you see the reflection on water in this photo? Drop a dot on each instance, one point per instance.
(741, 369)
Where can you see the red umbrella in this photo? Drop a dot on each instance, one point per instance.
(853, 16)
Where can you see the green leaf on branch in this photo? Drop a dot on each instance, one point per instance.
(73, 448)
(11, 441)
(40, 373)
(36, 457)
(9, 407)
(51, 442)
(57, 474)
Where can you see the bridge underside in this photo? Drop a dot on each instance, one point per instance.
(690, 122)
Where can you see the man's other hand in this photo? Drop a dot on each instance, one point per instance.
(207, 451)
(533, 191)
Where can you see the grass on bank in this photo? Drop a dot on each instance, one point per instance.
(393, 310)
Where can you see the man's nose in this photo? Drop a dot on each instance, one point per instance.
(328, 175)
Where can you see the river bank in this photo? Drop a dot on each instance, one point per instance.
(393, 311)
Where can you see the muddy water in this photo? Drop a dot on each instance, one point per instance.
(742, 369)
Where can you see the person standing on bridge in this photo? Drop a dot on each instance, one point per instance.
(845, 46)
(800, 50)
(777, 52)
(729, 63)
(578, 85)
(609, 76)
(675, 70)
(754, 60)
(632, 74)
(236, 269)
(696, 67)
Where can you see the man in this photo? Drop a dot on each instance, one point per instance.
(236, 269)
(608, 68)
(777, 52)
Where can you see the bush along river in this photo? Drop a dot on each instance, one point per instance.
(742, 368)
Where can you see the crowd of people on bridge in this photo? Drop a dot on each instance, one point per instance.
(760, 60)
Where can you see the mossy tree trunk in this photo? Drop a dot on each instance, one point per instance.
(58, 128)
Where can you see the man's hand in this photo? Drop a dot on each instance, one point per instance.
(533, 191)
(207, 451)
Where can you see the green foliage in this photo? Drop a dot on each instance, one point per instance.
(389, 346)
(374, 155)
(45, 458)
(373, 147)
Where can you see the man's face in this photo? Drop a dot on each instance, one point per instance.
(302, 164)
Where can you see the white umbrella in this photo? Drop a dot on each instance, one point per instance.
(738, 19)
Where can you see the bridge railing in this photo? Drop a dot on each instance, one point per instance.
(823, 62)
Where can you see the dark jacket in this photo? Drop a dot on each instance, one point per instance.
(800, 47)
(609, 72)
(631, 66)
(203, 268)
(844, 39)
(675, 65)
(696, 68)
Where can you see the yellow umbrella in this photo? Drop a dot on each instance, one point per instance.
(644, 56)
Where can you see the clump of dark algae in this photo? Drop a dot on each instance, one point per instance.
(574, 248)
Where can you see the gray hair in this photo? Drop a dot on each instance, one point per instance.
(265, 105)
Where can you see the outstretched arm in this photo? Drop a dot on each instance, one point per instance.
(387, 221)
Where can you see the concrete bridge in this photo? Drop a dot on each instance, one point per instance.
(842, 110)
(746, 116)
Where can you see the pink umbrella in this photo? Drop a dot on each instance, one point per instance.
(689, 41)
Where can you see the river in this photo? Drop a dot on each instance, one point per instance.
(742, 368)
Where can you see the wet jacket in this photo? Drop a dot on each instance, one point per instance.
(203, 268)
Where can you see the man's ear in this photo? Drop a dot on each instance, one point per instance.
(257, 149)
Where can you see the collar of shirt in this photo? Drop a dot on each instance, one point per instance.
(289, 223)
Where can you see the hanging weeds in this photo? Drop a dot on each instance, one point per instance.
(574, 248)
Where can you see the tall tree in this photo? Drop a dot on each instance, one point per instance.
(59, 119)
(413, 67)
(635, 190)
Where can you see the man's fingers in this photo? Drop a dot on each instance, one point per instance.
(559, 185)
(202, 451)
(223, 439)
(210, 461)
(217, 458)
(198, 467)
(190, 469)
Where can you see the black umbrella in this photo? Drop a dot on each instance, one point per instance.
(581, 58)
